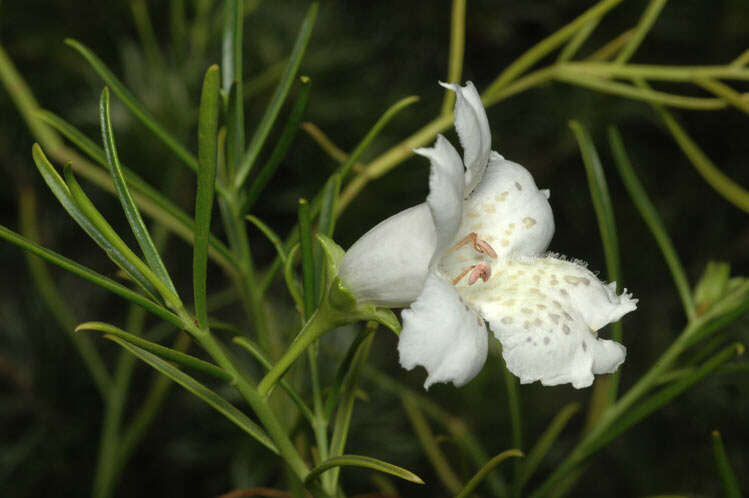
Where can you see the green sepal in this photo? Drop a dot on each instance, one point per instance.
(333, 256)
(340, 297)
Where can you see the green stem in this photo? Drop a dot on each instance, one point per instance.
(457, 47)
(548, 44)
(256, 399)
(324, 319)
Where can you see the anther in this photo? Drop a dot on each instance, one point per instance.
(480, 271)
(463, 274)
(479, 245)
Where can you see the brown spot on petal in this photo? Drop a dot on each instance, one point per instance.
(571, 280)
(554, 318)
(529, 222)
(501, 197)
(473, 214)
(489, 208)
(566, 330)
(507, 320)
(541, 306)
(518, 186)
(527, 311)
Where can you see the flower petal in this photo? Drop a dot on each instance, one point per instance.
(388, 264)
(545, 312)
(507, 211)
(443, 335)
(472, 126)
(445, 197)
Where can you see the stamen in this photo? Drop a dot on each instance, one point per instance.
(482, 271)
(463, 274)
(479, 245)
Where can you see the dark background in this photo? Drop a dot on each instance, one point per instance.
(363, 57)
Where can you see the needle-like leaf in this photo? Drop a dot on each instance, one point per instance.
(163, 352)
(282, 90)
(123, 192)
(207, 150)
(201, 391)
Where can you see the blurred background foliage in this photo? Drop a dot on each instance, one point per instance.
(364, 56)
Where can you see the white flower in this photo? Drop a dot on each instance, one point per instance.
(475, 253)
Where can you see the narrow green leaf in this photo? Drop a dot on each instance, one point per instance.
(90, 275)
(577, 41)
(163, 352)
(665, 396)
(648, 18)
(281, 147)
(547, 439)
(438, 460)
(123, 192)
(342, 420)
(231, 49)
(652, 219)
(270, 235)
(486, 469)
(730, 190)
(730, 484)
(599, 193)
(325, 228)
(271, 113)
(165, 212)
(291, 281)
(70, 204)
(342, 171)
(362, 146)
(133, 265)
(343, 368)
(134, 105)
(235, 132)
(207, 150)
(257, 352)
(326, 220)
(308, 259)
(217, 402)
(548, 44)
(362, 461)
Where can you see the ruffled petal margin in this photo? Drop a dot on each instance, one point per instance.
(443, 335)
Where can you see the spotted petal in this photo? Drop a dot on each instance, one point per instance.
(545, 312)
(443, 335)
(507, 211)
(473, 130)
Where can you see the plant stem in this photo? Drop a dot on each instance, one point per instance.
(324, 319)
